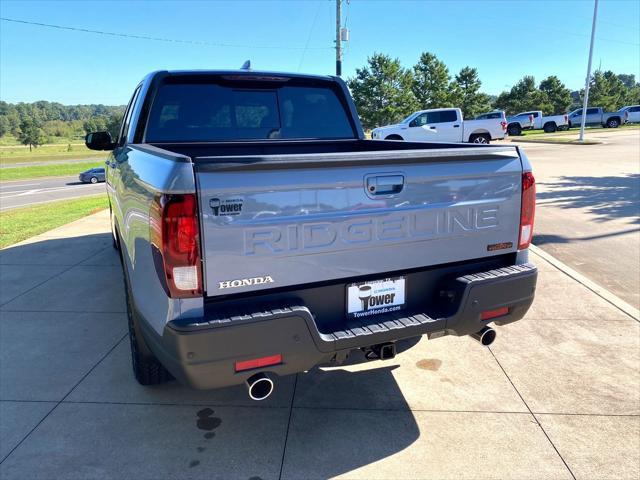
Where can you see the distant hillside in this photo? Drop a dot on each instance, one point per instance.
(57, 120)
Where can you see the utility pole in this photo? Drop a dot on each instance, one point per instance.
(586, 86)
(338, 37)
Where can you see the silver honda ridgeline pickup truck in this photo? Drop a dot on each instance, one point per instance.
(261, 235)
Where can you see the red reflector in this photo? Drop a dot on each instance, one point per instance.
(498, 312)
(258, 362)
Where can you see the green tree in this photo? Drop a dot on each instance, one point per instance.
(431, 82)
(113, 124)
(5, 126)
(31, 134)
(382, 91)
(467, 95)
(523, 96)
(629, 79)
(558, 95)
(606, 90)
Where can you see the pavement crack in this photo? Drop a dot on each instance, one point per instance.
(531, 412)
(100, 360)
(286, 437)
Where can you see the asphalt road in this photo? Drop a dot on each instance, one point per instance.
(39, 190)
(588, 212)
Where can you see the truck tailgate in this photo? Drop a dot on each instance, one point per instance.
(281, 220)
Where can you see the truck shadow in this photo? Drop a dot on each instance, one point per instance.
(544, 239)
(607, 197)
(322, 416)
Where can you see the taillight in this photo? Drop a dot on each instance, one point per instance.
(527, 210)
(566, 119)
(504, 126)
(175, 235)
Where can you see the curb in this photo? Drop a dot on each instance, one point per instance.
(553, 142)
(594, 287)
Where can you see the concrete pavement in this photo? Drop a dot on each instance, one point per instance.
(588, 208)
(557, 396)
(21, 193)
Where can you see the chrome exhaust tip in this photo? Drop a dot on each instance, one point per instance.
(486, 336)
(260, 386)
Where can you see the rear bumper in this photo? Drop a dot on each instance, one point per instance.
(203, 354)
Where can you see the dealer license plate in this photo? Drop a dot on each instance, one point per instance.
(378, 296)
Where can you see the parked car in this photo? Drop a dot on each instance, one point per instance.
(631, 113)
(366, 242)
(93, 175)
(535, 120)
(596, 116)
(443, 125)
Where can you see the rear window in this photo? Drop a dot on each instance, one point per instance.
(442, 116)
(201, 112)
(489, 116)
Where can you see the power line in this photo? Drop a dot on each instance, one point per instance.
(313, 24)
(160, 39)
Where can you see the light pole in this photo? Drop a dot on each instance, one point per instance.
(586, 86)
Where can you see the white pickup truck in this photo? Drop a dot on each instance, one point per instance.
(443, 125)
(535, 120)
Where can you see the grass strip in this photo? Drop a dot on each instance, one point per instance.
(631, 126)
(55, 170)
(21, 223)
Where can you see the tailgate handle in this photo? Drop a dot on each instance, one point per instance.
(385, 185)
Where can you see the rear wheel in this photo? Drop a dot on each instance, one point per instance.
(146, 367)
(613, 123)
(514, 129)
(480, 138)
(550, 127)
(394, 137)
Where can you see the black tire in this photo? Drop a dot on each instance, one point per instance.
(394, 137)
(146, 367)
(93, 180)
(514, 129)
(550, 127)
(613, 122)
(482, 138)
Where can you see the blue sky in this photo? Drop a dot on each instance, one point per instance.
(503, 39)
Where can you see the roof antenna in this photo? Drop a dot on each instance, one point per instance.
(246, 65)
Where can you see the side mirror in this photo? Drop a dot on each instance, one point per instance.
(99, 141)
(413, 123)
